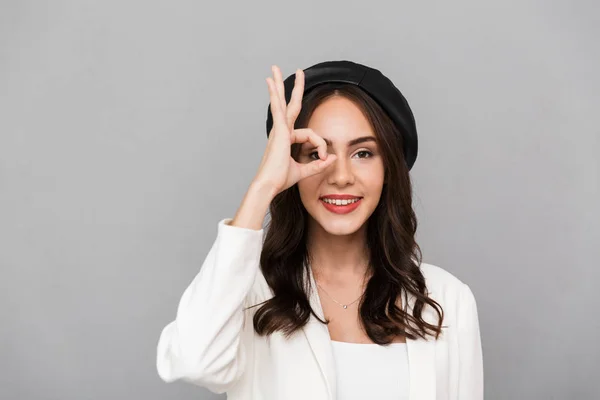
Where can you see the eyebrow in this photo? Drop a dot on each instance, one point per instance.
(356, 141)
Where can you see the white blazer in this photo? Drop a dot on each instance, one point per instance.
(212, 343)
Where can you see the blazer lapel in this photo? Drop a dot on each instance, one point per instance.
(421, 353)
(421, 363)
(319, 339)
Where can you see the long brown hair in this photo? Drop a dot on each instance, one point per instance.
(394, 253)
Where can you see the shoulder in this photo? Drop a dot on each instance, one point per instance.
(455, 297)
(444, 285)
(439, 277)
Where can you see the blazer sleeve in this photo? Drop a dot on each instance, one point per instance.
(204, 344)
(470, 374)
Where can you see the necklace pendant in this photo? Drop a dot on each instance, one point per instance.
(345, 306)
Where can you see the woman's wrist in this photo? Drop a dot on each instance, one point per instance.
(255, 204)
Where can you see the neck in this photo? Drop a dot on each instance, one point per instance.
(337, 258)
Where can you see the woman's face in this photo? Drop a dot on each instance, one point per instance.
(358, 171)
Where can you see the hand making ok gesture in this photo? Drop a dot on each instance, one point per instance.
(277, 168)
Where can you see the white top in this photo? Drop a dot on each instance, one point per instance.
(371, 371)
(210, 340)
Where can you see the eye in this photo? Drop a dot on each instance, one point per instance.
(368, 153)
(311, 155)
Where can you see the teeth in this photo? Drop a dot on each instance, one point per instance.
(340, 202)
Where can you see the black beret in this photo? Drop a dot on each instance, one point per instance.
(374, 83)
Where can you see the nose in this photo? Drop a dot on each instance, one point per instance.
(340, 172)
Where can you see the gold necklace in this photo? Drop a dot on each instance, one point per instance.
(345, 306)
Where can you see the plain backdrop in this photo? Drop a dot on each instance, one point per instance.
(128, 129)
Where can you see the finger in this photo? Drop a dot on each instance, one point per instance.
(276, 111)
(305, 135)
(316, 167)
(279, 85)
(295, 105)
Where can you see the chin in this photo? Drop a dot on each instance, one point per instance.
(340, 225)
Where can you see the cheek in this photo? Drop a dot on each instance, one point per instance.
(372, 174)
(308, 188)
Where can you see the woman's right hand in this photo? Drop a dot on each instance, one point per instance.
(278, 170)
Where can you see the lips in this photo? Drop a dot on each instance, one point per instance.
(341, 209)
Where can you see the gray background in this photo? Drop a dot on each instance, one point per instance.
(129, 128)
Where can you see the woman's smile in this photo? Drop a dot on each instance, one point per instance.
(341, 204)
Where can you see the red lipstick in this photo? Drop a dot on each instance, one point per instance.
(341, 209)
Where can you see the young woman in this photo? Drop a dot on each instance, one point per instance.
(335, 302)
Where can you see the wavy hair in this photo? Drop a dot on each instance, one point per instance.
(394, 254)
